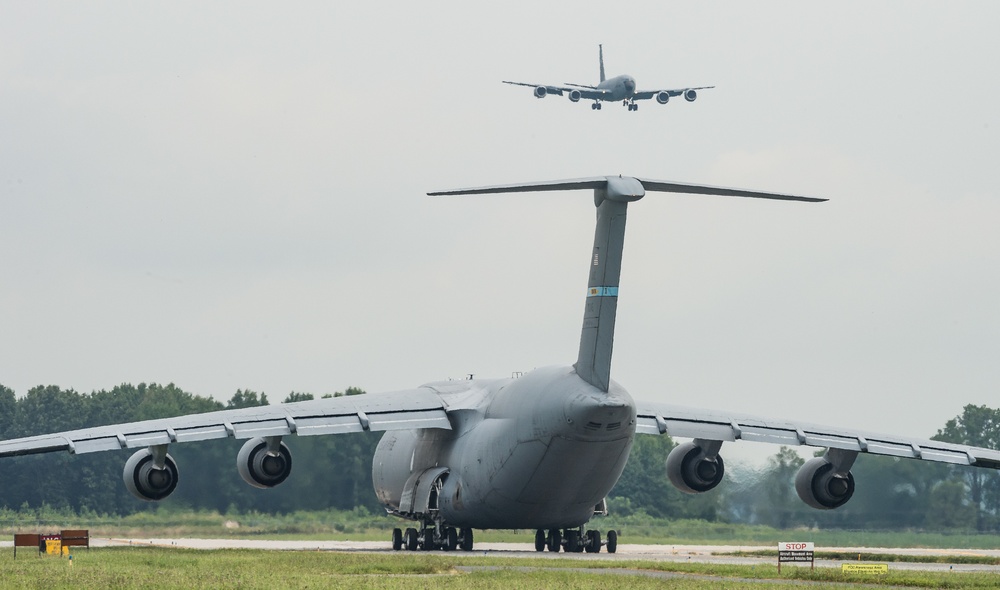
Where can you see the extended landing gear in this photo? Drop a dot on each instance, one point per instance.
(574, 541)
(429, 538)
(632, 106)
(596, 106)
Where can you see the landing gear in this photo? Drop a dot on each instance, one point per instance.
(410, 539)
(632, 106)
(573, 544)
(574, 541)
(465, 539)
(596, 106)
(429, 538)
(555, 540)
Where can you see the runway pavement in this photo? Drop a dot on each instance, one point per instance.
(626, 552)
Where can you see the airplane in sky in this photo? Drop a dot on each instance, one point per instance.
(540, 451)
(621, 88)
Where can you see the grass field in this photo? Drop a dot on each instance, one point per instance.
(152, 568)
(360, 525)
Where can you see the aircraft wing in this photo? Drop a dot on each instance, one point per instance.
(655, 418)
(648, 94)
(585, 92)
(399, 410)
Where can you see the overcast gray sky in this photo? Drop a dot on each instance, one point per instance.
(231, 195)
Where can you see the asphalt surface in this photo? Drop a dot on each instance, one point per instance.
(626, 552)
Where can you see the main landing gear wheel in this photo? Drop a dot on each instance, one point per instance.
(612, 541)
(555, 540)
(465, 539)
(450, 539)
(593, 542)
(539, 540)
(573, 544)
(410, 539)
(397, 539)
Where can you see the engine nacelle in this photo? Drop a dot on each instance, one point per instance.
(820, 486)
(540, 92)
(145, 480)
(692, 470)
(264, 464)
(574, 95)
(690, 95)
(663, 97)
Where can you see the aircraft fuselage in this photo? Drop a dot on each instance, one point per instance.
(539, 451)
(621, 88)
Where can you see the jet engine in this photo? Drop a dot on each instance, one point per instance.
(145, 479)
(695, 467)
(662, 97)
(690, 95)
(540, 92)
(264, 462)
(574, 95)
(820, 485)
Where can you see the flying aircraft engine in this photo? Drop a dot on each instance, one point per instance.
(690, 95)
(663, 96)
(696, 466)
(151, 474)
(264, 462)
(540, 92)
(574, 95)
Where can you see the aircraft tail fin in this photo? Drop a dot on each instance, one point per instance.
(600, 57)
(612, 194)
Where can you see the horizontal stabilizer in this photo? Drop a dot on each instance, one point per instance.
(598, 182)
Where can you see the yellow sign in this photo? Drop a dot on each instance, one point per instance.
(53, 546)
(865, 568)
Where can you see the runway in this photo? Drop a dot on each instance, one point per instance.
(626, 552)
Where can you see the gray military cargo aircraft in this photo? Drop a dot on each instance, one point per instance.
(621, 88)
(540, 451)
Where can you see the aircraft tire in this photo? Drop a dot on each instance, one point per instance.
(612, 541)
(397, 539)
(410, 539)
(539, 540)
(573, 541)
(466, 539)
(450, 539)
(593, 541)
(555, 540)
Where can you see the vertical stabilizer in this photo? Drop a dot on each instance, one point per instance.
(600, 57)
(593, 364)
(612, 194)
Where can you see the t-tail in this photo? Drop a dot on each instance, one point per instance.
(600, 57)
(612, 194)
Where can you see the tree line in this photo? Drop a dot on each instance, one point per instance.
(335, 471)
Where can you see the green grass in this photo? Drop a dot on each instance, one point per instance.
(361, 525)
(153, 568)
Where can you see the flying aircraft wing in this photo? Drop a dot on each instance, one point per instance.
(671, 92)
(714, 425)
(399, 410)
(581, 91)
